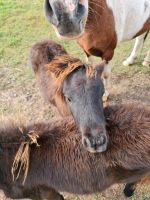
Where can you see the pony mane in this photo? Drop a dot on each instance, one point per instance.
(63, 66)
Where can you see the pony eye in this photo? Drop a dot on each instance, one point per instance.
(68, 99)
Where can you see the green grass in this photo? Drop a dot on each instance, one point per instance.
(21, 24)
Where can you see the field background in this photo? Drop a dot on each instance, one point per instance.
(22, 23)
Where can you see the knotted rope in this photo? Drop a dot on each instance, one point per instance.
(22, 157)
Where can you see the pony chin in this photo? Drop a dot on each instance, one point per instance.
(99, 150)
(71, 37)
(67, 37)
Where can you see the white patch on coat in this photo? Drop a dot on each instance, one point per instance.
(136, 50)
(130, 16)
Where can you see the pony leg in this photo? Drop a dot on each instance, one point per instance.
(146, 61)
(106, 78)
(137, 48)
(129, 189)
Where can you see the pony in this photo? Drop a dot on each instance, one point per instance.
(74, 88)
(45, 158)
(99, 25)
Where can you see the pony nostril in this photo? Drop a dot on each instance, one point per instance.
(85, 142)
(80, 11)
(48, 8)
(49, 13)
(94, 145)
(101, 140)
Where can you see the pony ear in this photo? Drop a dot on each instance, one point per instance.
(100, 67)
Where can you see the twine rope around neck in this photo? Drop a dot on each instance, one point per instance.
(22, 157)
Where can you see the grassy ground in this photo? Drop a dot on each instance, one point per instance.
(21, 24)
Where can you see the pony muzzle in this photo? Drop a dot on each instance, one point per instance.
(69, 19)
(95, 143)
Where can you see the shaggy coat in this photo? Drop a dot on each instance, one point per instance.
(61, 163)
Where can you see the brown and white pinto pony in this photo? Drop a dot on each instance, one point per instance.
(60, 163)
(99, 25)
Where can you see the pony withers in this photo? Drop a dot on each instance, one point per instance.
(74, 88)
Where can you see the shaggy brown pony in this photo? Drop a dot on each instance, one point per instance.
(74, 88)
(60, 163)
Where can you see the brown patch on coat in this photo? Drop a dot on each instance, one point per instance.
(146, 27)
(99, 39)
